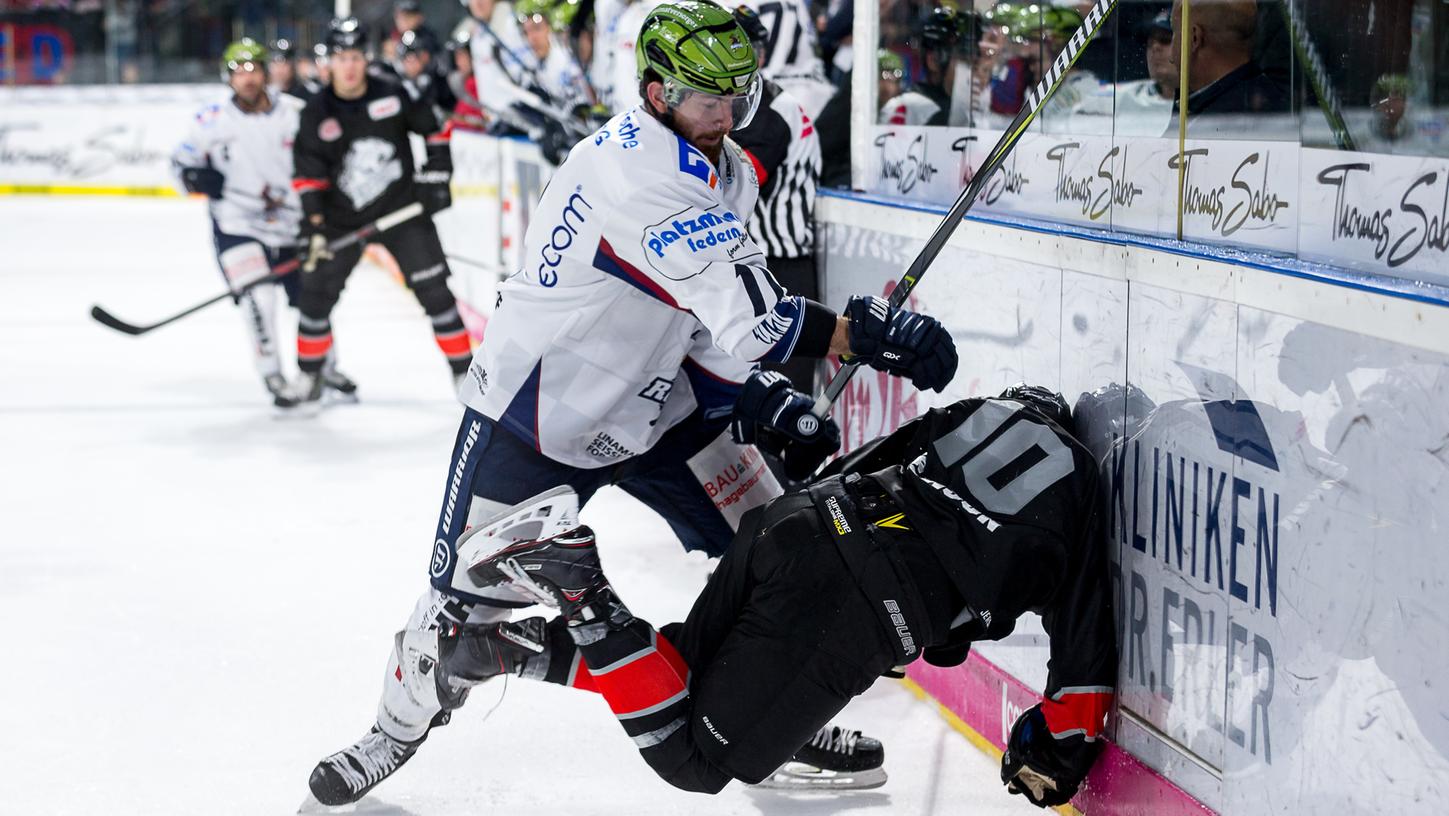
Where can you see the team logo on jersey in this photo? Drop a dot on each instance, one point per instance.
(388, 106)
(330, 130)
(694, 163)
(370, 167)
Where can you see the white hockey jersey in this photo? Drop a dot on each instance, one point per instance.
(615, 66)
(641, 297)
(254, 152)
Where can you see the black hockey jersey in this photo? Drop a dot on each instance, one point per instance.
(353, 162)
(1006, 500)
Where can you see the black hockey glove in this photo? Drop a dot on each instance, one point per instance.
(901, 342)
(770, 414)
(1045, 768)
(433, 189)
(554, 141)
(203, 180)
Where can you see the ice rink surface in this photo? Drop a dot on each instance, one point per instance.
(199, 596)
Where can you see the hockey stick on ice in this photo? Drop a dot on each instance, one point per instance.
(1035, 99)
(386, 222)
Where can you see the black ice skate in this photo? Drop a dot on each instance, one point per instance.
(339, 383)
(834, 759)
(349, 774)
(472, 653)
(563, 572)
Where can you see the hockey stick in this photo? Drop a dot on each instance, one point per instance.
(386, 222)
(1035, 99)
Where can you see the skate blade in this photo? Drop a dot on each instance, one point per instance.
(800, 776)
(362, 807)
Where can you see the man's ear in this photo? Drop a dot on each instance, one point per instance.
(656, 97)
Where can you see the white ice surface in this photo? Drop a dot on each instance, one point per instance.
(198, 597)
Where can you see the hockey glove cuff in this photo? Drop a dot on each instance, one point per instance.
(771, 414)
(203, 180)
(1044, 767)
(901, 342)
(433, 190)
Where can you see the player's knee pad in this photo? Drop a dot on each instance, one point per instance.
(435, 296)
(410, 698)
(244, 263)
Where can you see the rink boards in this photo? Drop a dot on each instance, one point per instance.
(1274, 462)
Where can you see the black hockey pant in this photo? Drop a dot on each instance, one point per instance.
(419, 254)
(781, 638)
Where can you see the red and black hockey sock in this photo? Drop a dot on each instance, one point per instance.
(314, 342)
(453, 340)
(639, 673)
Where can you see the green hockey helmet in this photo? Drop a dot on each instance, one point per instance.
(563, 14)
(526, 10)
(698, 48)
(245, 53)
(891, 65)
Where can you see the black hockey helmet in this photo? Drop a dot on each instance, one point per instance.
(942, 30)
(1047, 402)
(283, 50)
(416, 42)
(346, 34)
(755, 30)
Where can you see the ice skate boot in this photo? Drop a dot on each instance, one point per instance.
(342, 388)
(349, 774)
(562, 572)
(307, 389)
(834, 759)
(281, 392)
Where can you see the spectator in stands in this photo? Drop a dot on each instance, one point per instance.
(1224, 84)
(1142, 107)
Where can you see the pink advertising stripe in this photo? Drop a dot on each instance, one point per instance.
(988, 700)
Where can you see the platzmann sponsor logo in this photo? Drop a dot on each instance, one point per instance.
(708, 230)
(908, 643)
(562, 237)
(838, 516)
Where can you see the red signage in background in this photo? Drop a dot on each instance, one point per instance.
(34, 54)
(874, 403)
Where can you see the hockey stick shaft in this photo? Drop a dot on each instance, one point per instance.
(1035, 99)
(382, 224)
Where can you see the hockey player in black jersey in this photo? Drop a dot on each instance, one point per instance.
(938, 535)
(353, 164)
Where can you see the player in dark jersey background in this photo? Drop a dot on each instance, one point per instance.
(353, 163)
(938, 535)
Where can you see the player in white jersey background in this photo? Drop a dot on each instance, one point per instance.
(620, 352)
(239, 154)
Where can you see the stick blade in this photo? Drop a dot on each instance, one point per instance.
(109, 320)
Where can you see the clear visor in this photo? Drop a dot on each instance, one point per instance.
(730, 112)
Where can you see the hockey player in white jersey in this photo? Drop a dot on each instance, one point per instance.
(239, 154)
(622, 350)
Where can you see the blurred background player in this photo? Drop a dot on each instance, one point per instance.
(407, 15)
(782, 143)
(929, 102)
(833, 127)
(354, 164)
(238, 154)
(418, 66)
(620, 354)
(282, 71)
(509, 75)
(467, 113)
(933, 537)
(557, 72)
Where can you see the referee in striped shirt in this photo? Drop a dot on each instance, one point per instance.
(781, 142)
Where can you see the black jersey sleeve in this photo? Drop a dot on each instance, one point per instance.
(311, 169)
(422, 119)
